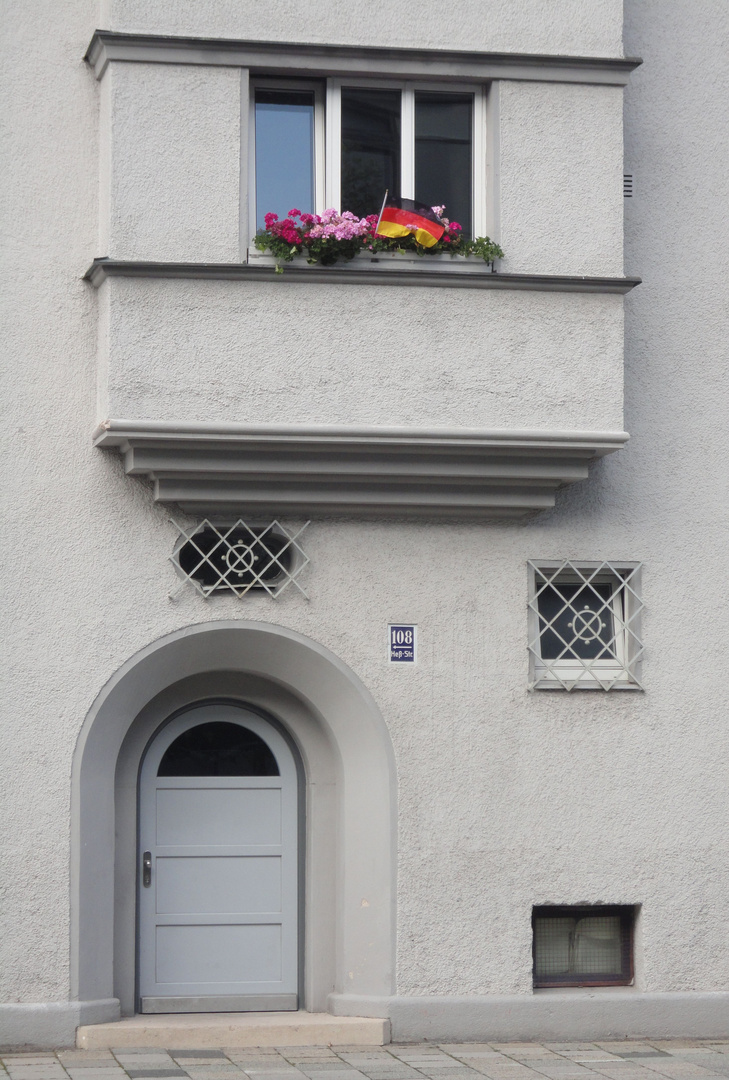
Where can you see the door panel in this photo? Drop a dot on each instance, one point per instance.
(218, 909)
(218, 954)
(206, 816)
(199, 886)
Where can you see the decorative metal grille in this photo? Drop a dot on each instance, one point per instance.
(584, 625)
(240, 557)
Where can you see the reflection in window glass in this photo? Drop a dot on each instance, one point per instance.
(370, 148)
(218, 749)
(444, 154)
(576, 621)
(284, 152)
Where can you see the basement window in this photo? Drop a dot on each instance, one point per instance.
(583, 946)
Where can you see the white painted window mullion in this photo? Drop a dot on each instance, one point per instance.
(479, 163)
(407, 136)
(332, 187)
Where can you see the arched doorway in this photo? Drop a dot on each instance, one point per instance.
(218, 859)
(322, 709)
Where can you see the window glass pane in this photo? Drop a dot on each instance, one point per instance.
(579, 946)
(444, 154)
(218, 749)
(597, 945)
(284, 152)
(576, 621)
(370, 148)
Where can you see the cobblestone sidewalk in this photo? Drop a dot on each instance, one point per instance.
(675, 1060)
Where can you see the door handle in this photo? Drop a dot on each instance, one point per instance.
(147, 869)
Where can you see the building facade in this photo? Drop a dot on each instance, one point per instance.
(358, 663)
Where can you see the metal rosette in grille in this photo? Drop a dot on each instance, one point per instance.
(239, 557)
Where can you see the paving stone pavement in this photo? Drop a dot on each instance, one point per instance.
(703, 1059)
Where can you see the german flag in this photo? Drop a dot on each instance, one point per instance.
(403, 217)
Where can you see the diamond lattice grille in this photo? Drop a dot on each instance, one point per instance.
(584, 625)
(240, 557)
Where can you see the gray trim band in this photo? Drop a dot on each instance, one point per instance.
(51, 1024)
(319, 470)
(605, 1013)
(291, 58)
(465, 278)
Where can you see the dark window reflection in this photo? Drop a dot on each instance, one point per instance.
(582, 624)
(218, 749)
(444, 154)
(284, 152)
(370, 148)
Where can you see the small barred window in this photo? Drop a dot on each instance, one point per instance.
(238, 557)
(584, 625)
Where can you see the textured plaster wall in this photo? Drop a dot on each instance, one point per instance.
(175, 163)
(172, 187)
(49, 227)
(561, 189)
(559, 26)
(506, 799)
(221, 350)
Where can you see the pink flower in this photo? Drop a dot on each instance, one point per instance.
(294, 213)
(269, 219)
(456, 226)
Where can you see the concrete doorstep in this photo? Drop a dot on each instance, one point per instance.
(190, 1031)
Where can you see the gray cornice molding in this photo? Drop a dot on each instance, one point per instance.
(332, 470)
(461, 277)
(282, 57)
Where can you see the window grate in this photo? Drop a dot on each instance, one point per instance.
(584, 625)
(215, 557)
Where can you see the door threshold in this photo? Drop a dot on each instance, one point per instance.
(192, 1031)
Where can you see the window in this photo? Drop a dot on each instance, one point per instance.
(218, 749)
(219, 557)
(584, 625)
(414, 140)
(583, 946)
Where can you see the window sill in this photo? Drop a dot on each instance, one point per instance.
(384, 260)
(586, 684)
(587, 991)
(463, 274)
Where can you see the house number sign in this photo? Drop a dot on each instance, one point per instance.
(402, 643)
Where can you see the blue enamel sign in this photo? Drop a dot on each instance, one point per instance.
(402, 642)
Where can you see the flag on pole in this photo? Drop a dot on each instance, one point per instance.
(403, 217)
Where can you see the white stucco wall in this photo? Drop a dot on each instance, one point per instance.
(506, 799)
(173, 189)
(173, 178)
(560, 189)
(568, 27)
(296, 353)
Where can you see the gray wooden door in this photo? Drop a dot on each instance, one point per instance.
(218, 892)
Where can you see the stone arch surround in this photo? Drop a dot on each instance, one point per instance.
(350, 784)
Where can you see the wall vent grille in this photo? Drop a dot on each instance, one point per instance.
(627, 185)
(219, 558)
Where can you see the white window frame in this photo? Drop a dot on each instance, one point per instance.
(625, 606)
(328, 137)
(315, 86)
